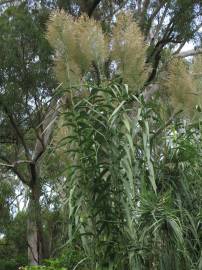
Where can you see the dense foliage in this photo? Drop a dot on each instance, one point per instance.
(100, 144)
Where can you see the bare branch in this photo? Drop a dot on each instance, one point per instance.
(6, 165)
(158, 28)
(180, 48)
(47, 127)
(156, 11)
(155, 56)
(197, 74)
(17, 162)
(15, 199)
(189, 53)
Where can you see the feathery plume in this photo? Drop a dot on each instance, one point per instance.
(129, 51)
(78, 43)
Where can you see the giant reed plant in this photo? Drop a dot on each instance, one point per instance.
(130, 187)
(133, 177)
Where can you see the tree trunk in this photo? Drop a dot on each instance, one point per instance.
(34, 226)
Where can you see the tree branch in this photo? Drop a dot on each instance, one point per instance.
(180, 47)
(158, 27)
(93, 7)
(156, 53)
(12, 166)
(149, 91)
(47, 128)
(18, 132)
(189, 53)
(6, 165)
(153, 15)
(17, 162)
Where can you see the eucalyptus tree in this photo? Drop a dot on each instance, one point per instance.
(26, 90)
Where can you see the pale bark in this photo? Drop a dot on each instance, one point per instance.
(47, 129)
(35, 231)
(159, 25)
(150, 91)
(34, 245)
(34, 223)
(189, 53)
(32, 177)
